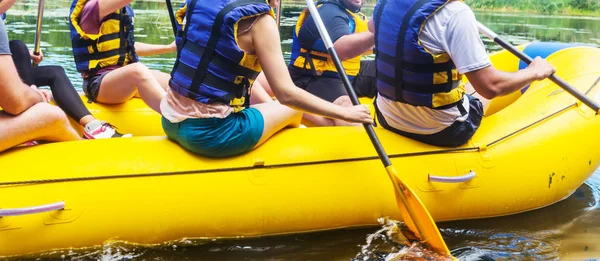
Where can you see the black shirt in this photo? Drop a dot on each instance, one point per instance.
(336, 20)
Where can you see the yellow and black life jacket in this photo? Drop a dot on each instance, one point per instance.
(314, 55)
(112, 45)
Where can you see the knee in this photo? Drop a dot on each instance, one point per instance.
(18, 46)
(343, 101)
(140, 72)
(54, 115)
(56, 70)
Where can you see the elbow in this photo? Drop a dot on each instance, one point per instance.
(286, 100)
(490, 93)
(343, 56)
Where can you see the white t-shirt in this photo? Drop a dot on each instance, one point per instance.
(452, 30)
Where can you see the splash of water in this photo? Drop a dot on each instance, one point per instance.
(390, 244)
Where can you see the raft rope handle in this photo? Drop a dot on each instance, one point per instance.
(284, 165)
(32, 210)
(457, 179)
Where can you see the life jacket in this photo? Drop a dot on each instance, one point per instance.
(210, 66)
(179, 23)
(309, 55)
(113, 45)
(406, 71)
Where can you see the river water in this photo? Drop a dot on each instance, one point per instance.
(568, 230)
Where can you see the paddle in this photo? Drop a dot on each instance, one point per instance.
(38, 29)
(415, 215)
(525, 58)
(172, 16)
(278, 15)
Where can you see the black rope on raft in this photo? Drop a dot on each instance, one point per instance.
(287, 165)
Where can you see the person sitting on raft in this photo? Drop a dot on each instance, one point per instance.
(222, 49)
(312, 68)
(26, 114)
(421, 57)
(106, 54)
(64, 93)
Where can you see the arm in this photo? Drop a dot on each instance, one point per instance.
(265, 40)
(346, 44)
(15, 96)
(143, 49)
(5, 5)
(491, 83)
(106, 7)
(352, 45)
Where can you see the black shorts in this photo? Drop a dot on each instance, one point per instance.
(454, 135)
(91, 86)
(329, 89)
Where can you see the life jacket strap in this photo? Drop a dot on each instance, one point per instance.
(220, 61)
(213, 40)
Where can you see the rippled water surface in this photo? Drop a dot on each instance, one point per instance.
(569, 230)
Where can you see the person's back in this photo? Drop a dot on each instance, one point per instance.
(422, 55)
(222, 49)
(26, 115)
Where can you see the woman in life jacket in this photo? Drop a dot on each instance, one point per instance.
(222, 48)
(106, 54)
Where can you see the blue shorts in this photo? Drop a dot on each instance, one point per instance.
(454, 135)
(218, 138)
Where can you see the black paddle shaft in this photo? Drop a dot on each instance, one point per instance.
(172, 16)
(560, 82)
(368, 127)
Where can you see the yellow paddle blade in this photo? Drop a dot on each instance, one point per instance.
(415, 215)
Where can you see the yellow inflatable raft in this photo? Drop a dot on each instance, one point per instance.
(531, 151)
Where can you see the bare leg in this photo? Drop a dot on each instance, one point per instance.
(276, 117)
(319, 120)
(343, 101)
(40, 122)
(264, 83)
(86, 119)
(471, 91)
(162, 78)
(259, 95)
(122, 84)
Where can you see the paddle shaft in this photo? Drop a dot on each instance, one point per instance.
(172, 16)
(38, 29)
(401, 190)
(278, 15)
(527, 59)
(344, 77)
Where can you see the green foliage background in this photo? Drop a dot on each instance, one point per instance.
(573, 7)
(542, 6)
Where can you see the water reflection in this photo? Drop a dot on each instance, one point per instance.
(152, 26)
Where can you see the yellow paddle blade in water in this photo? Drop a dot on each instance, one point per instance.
(415, 215)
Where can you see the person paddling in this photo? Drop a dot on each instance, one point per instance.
(223, 46)
(423, 50)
